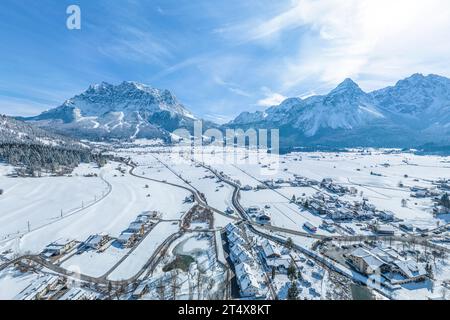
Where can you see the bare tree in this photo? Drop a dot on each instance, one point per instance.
(200, 281)
(191, 287)
(175, 286)
(161, 290)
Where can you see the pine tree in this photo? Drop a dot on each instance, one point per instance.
(293, 291)
(292, 271)
(289, 243)
(445, 200)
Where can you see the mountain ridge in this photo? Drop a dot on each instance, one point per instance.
(418, 106)
(125, 111)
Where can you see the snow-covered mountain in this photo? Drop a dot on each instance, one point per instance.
(124, 111)
(413, 112)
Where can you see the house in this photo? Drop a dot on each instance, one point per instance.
(387, 255)
(136, 227)
(144, 217)
(235, 238)
(247, 281)
(366, 262)
(386, 230)
(58, 248)
(421, 230)
(316, 207)
(95, 242)
(127, 239)
(231, 227)
(406, 227)
(410, 270)
(420, 194)
(273, 257)
(253, 210)
(437, 210)
(263, 218)
(280, 264)
(270, 251)
(239, 254)
(386, 215)
(418, 189)
(328, 227)
(308, 226)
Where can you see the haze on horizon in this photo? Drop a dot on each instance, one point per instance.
(218, 58)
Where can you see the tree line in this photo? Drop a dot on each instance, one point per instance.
(33, 159)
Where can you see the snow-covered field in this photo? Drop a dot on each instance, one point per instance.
(112, 215)
(93, 263)
(136, 260)
(38, 201)
(112, 199)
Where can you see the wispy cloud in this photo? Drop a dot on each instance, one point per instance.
(234, 88)
(217, 61)
(367, 40)
(136, 44)
(271, 98)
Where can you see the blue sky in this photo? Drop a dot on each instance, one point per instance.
(218, 57)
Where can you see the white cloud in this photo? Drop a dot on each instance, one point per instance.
(373, 41)
(271, 98)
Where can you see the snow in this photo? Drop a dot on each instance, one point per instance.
(14, 282)
(136, 260)
(95, 264)
(40, 201)
(37, 200)
(112, 215)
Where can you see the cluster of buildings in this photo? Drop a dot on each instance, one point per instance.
(52, 287)
(300, 181)
(136, 229)
(387, 263)
(423, 192)
(337, 209)
(443, 184)
(332, 187)
(42, 288)
(244, 263)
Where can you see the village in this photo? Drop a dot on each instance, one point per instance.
(203, 229)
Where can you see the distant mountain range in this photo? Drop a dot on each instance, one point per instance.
(129, 110)
(414, 112)
(18, 132)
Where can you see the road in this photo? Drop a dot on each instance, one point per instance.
(244, 218)
(150, 265)
(235, 200)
